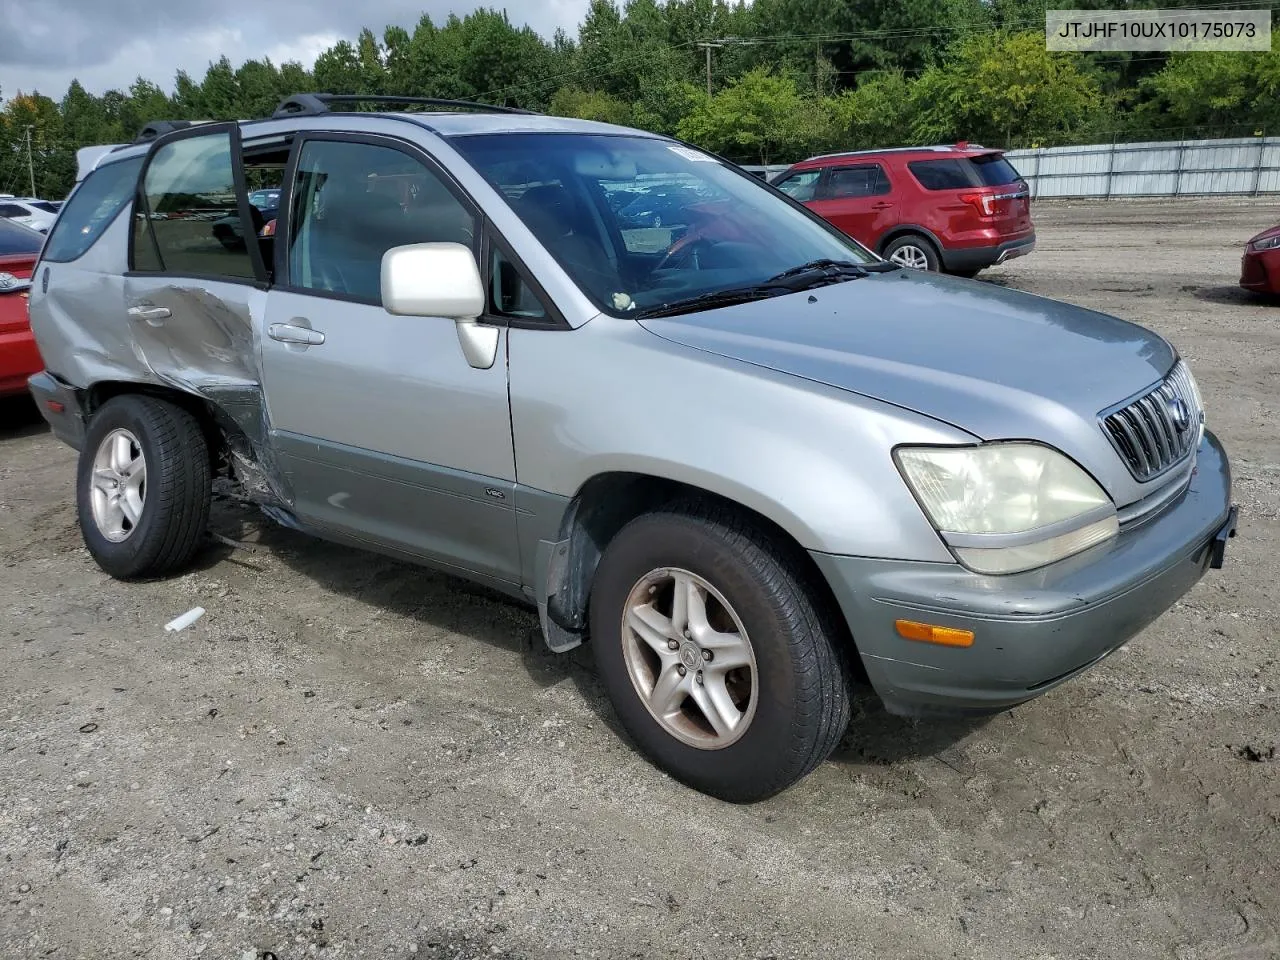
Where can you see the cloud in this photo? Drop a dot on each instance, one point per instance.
(107, 44)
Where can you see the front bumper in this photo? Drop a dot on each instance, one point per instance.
(1034, 630)
(1257, 269)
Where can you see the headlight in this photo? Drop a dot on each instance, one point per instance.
(1266, 243)
(1008, 507)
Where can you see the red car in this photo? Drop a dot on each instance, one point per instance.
(957, 209)
(1260, 265)
(19, 358)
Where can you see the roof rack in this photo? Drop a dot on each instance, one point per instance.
(310, 104)
(158, 128)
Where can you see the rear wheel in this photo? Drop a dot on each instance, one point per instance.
(143, 487)
(715, 656)
(912, 251)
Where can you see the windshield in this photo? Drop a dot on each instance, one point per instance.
(639, 222)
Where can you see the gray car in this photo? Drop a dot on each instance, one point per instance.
(746, 458)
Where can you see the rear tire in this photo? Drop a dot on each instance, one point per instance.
(913, 251)
(790, 699)
(143, 487)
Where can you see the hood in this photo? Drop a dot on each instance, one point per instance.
(997, 363)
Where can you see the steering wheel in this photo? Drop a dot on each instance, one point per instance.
(687, 250)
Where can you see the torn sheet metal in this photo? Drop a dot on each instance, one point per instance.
(197, 338)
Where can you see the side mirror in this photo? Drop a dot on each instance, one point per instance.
(432, 280)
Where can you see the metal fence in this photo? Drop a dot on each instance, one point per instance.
(1245, 166)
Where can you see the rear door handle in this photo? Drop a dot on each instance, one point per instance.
(148, 312)
(289, 333)
(881, 205)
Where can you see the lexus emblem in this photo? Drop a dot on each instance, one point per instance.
(1180, 414)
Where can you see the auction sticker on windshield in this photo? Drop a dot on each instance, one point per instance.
(692, 155)
(1157, 30)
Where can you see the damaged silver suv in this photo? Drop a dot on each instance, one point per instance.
(746, 458)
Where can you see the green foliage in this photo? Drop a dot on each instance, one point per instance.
(589, 105)
(788, 78)
(759, 117)
(996, 86)
(1221, 89)
(874, 114)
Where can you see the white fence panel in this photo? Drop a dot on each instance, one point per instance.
(1242, 165)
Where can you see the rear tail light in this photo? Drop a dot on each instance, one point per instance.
(984, 203)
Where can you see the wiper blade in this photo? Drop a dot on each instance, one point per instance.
(720, 298)
(825, 265)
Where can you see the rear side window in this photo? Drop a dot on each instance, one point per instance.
(10, 210)
(93, 205)
(189, 219)
(987, 170)
(863, 180)
(17, 239)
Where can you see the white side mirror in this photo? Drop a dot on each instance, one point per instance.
(432, 280)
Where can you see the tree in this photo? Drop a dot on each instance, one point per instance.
(1222, 89)
(589, 105)
(760, 116)
(877, 113)
(1004, 88)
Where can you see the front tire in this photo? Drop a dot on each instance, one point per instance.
(143, 487)
(718, 661)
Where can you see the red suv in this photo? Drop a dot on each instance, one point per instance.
(959, 208)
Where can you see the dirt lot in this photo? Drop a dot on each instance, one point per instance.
(348, 757)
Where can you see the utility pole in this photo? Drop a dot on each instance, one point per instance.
(709, 45)
(31, 166)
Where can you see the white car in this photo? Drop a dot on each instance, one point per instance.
(29, 211)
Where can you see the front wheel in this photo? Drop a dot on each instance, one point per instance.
(143, 487)
(717, 659)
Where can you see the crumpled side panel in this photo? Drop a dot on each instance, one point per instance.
(207, 346)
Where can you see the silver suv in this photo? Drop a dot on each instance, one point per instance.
(747, 458)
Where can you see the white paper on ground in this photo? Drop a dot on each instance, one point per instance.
(186, 620)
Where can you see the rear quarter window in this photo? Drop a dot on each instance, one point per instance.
(91, 208)
(959, 173)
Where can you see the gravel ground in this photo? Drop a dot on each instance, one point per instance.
(348, 757)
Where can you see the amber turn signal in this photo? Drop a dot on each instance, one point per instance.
(946, 636)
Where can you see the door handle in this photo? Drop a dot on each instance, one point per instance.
(881, 205)
(290, 333)
(149, 312)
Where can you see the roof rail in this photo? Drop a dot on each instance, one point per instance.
(310, 104)
(929, 148)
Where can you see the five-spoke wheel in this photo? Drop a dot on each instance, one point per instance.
(119, 485)
(689, 658)
(718, 655)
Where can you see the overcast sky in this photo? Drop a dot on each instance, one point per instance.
(108, 43)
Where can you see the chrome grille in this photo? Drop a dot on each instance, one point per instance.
(1159, 428)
